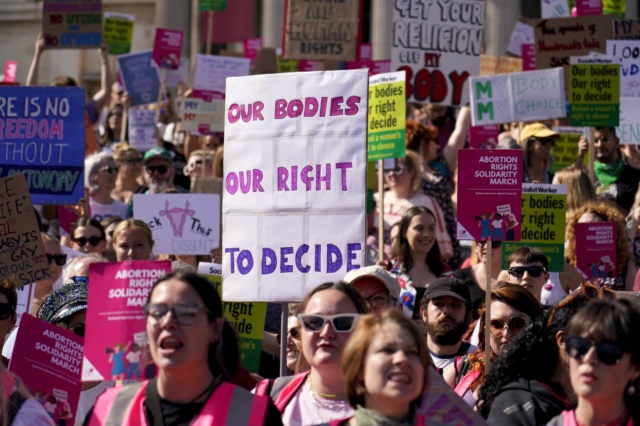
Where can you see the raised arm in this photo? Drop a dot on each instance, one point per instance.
(103, 94)
(457, 139)
(32, 77)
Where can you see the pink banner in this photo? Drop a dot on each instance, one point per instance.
(489, 194)
(596, 249)
(251, 48)
(10, 71)
(484, 137)
(588, 7)
(366, 52)
(116, 341)
(48, 359)
(166, 49)
(528, 57)
(66, 218)
(375, 67)
(304, 65)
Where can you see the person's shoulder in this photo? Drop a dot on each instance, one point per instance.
(32, 413)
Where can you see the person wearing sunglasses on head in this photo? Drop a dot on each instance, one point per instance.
(100, 175)
(604, 365)
(379, 288)
(196, 352)
(536, 141)
(129, 179)
(616, 180)
(88, 236)
(512, 309)
(57, 260)
(77, 271)
(328, 316)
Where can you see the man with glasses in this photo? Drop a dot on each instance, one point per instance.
(377, 287)
(159, 171)
(615, 179)
(536, 141)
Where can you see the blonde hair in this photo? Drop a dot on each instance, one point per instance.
(218, 159)
(134, 224)
(122, 149)
(580, 190)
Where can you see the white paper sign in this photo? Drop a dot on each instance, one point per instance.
(201, 116)
(173, 78)
(523, 96)
(629, 53)
(180, 223)
(506, 209)
(555, 9)
(522, 34)
(25, 300)
(295, 161)
(142, 129)
(438, 44)
(629, 129)
(211, 72)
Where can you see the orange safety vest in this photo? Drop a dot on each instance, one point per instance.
(229, 405)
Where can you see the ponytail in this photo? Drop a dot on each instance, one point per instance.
(224, 355)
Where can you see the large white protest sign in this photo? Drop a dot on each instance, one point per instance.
(629, 129)
(211, 73)
(629, 53)
(180, 223)
(295, 161)
(438, 45)
(142, 129)
(523, 96)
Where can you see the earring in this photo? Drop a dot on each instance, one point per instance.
(631, 390)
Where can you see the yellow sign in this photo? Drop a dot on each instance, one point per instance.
(387, 117)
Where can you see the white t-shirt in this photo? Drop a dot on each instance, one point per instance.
(88, 398)
(101, 211)
(552, 291)
(497, 223)
(133, 356)
(443, 361)
(307, 409)
(51, 408)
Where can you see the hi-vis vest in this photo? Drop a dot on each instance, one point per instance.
(229, 405)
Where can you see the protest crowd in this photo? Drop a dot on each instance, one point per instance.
(307, 236)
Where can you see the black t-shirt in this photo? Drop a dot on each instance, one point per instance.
(623, 191)
(179, 161)
(175, 414)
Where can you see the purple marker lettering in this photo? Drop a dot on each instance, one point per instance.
(281, 109)
(294, 178)
(284, 266)
(343, 168)
(437, 406)
(231, 251)
(352, 256)
(295, 108)
(245, 255)
(317, 258)
(245, 184)
(305, 176)
(326, 179)
(270, 255)
(246, 112)
(232, 183)
(335, 106)
(323, 107)
(257, 178)
(333, 265)
(352, 105)
(283, 175)
(299, 253)
(231, 116)
(257, 111)
(310, 107)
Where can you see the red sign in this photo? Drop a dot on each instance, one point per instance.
(10, 71)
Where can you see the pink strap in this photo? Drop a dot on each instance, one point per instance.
(466, 382)
(216, 410)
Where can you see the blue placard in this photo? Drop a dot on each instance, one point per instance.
(42, 136)
(140, 79)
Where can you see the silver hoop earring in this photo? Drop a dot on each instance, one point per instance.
(631, 390)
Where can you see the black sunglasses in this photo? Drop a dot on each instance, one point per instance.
(518, 271)
(494, 244)
(160, 169)
(82, 241)
(78, 329)
(59, 258)
(6, 311)
(294, 332)
(546, 141)
(609, 353)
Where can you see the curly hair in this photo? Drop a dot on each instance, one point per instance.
(533, 354)
(418, 132)
(609, 213)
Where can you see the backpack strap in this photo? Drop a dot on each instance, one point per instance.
(285, 388)
(14, 404)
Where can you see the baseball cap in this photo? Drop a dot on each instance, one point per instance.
(378, 273)
(448, 286)
(157, 153)
(537, 130)
(64, 302)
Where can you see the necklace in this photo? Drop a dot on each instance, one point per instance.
(324, 395)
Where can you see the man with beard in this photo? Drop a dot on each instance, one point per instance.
(159, 171)
(446, 311)
(443, 118)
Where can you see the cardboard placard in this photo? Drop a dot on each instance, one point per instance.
(522, 34)
(375, 67)
(48, 359)
(180, 223)
(387, 117)
(629, 129)
(266, 62)
(247, 318)
(525, 96)
(10, 71)
(555, 9)
(626, 29)
(490, 179)
(596, 249)
(167, 46)
(488, 65)
(508, 65)
(595, 91)
(559, 39)
(565, 148)
(115, 319)
(139, 78)
(588, 7)
(211, 73)
(142, 129)
(528, 57)
(117, 32)
(629, 53)
(212, 5)
(437, 63)
(484, 137)
(290, 243)
(42, 132)
(68, 24)
(202, 116)
(321, 30)
(544, 210)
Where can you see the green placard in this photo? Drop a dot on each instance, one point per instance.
(614, 7)
(288, 65)
(543, 223)
(594, 92)
(565, 148)
(212, 5)
(387, 118)
(117, 32)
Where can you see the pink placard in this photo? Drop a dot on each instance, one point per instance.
(116, 322)
(207, 95)
(166, 49)
(48, 359)
(489, 194)
(10, 71)
(375, 67)
(366, 52)
(588, 7)
(304, 65)
(528, 57)
(596, 249)
(484, 137)
(66, 218)
(251, 48)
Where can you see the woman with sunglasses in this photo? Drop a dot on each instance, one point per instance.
(196, 352)
(604, 365)
(100, 179)
(328, 316)
(88, 236)
(129, 176)
(57, 260)
(537, 140)
(133, 240)
(528, 383)
(512, 308)
(603, 211)
(295, 359)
